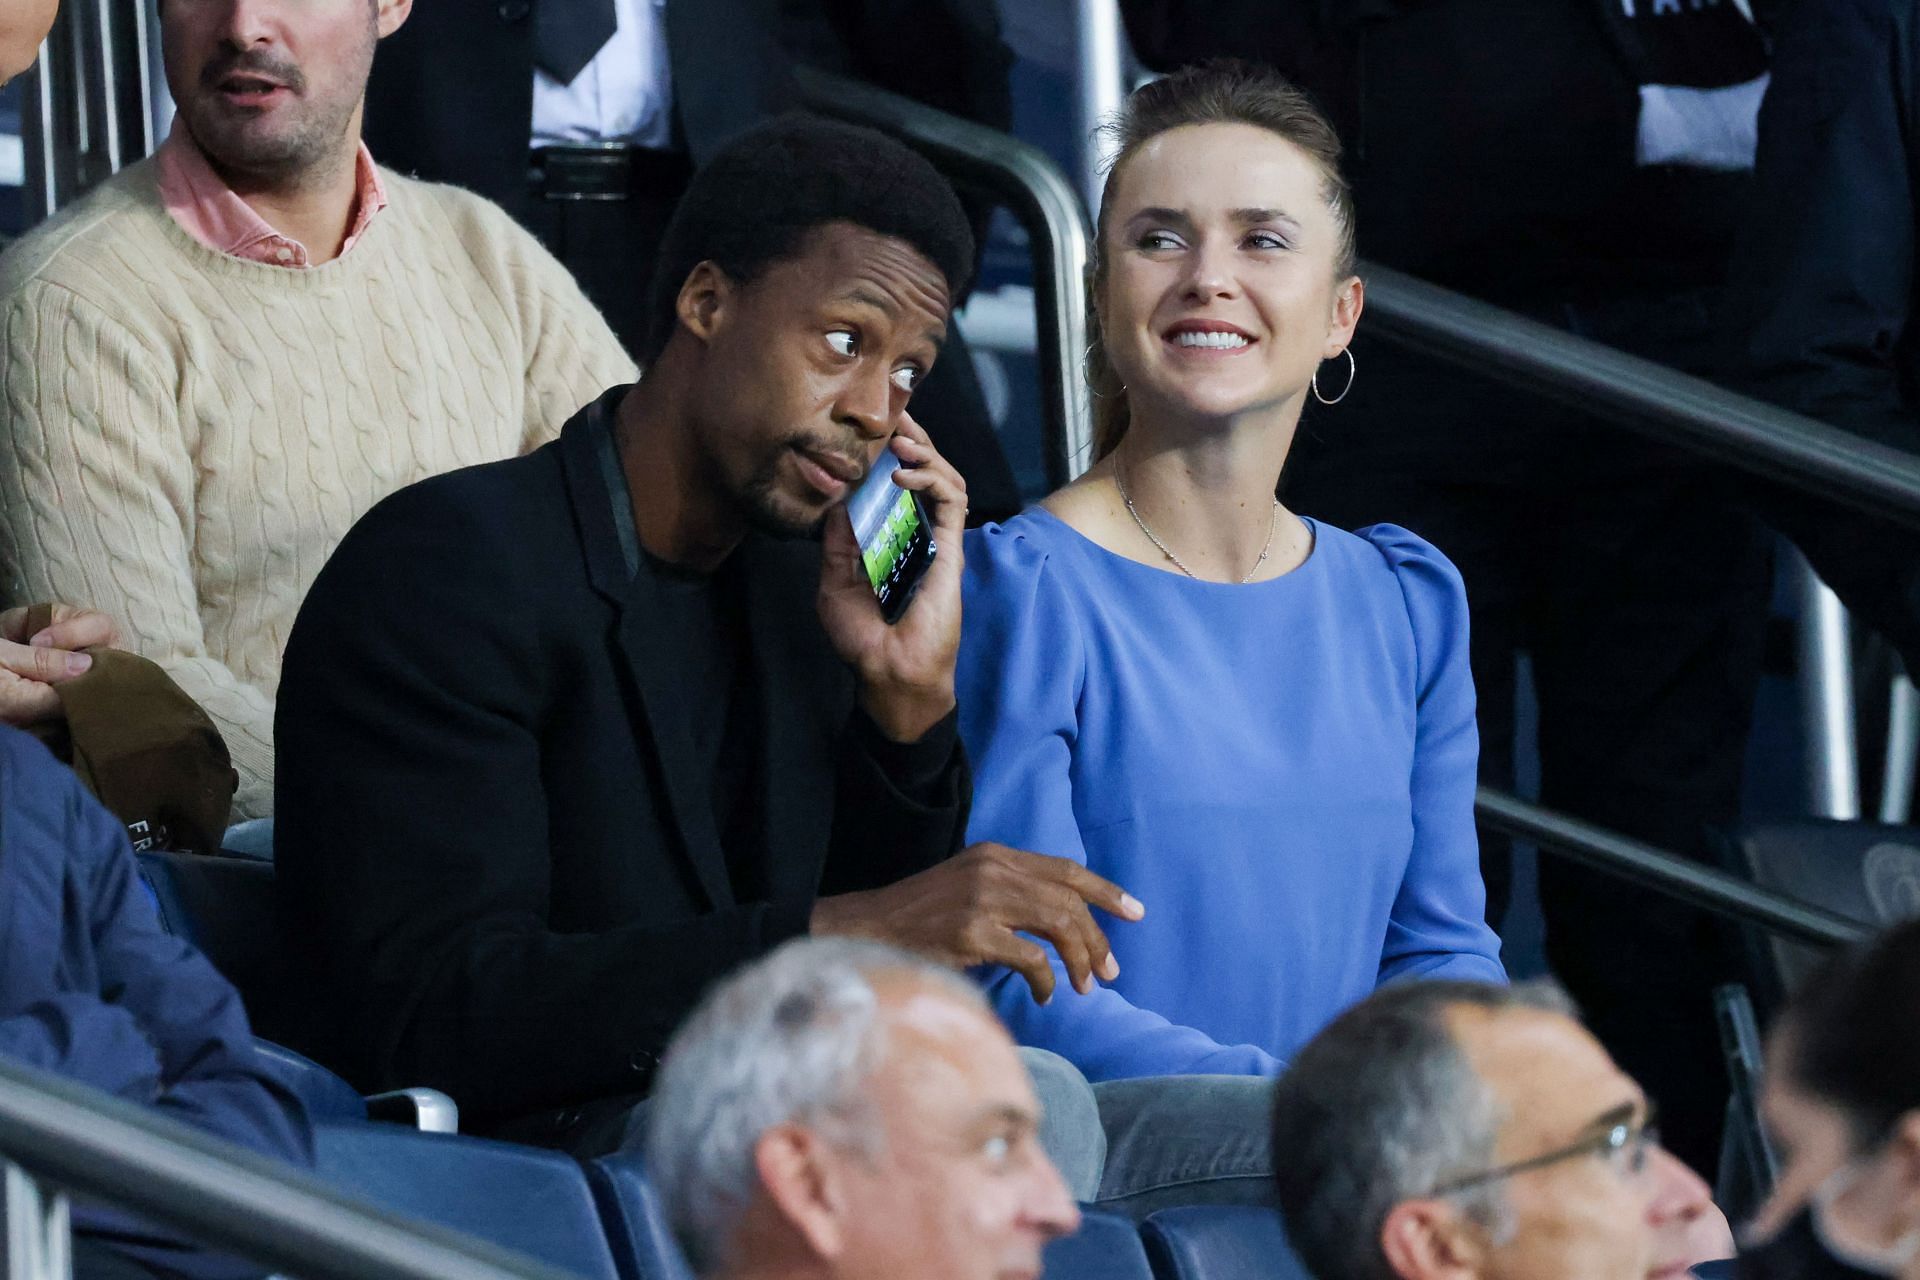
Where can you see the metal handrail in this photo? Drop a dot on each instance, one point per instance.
(1669, 873)
(90, 101)
(1029, 184)
(222, 1195)
(1643, 396)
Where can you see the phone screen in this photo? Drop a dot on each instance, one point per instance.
(895, 536)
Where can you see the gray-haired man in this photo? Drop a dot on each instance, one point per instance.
(843, 1110)
(1475, 1132)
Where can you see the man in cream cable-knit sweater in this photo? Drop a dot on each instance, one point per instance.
(214, 364)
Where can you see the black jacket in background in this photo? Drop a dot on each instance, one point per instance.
(451, 96)
(1491, 143)
(1825, 281)
(1822, 299)
(488, 836)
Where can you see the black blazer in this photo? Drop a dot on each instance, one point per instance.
(451, 96)
(487, 833)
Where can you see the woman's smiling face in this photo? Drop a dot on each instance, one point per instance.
(1221, 294)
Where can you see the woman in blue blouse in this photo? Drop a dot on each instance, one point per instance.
(1261, 726)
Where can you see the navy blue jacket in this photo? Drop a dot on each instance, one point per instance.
(93, 989)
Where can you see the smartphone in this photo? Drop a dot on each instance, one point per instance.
(895, 536)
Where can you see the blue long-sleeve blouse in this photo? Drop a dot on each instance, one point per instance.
(1282, 772)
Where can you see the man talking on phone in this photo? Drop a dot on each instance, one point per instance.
(566, 738)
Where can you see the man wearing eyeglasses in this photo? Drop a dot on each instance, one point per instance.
(1476, 1132)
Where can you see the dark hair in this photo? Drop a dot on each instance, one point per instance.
(1224, 91)
(755, 202)
(1853, 1033)
(1382, 1107)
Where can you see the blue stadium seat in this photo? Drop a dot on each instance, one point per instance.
(643, 1244)
(1107, 1247)
(1221, 1242)
(226, 907)
(522, 1198)
(327, 1096)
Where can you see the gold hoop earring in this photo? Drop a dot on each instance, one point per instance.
(1086, 374)
(1353, 371)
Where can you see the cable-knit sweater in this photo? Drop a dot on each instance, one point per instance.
(187, 435)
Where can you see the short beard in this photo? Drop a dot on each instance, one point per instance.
(760, 506)
(289, 160)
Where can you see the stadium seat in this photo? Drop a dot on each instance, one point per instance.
(325, 1094)
(1221, 1242)
(522, 1198)
(226, 907)
(643, 1245)
(1867, 871)
(1107, 1247)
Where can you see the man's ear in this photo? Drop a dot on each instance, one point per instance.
(702, 304)
(1349, 300)
(391, 14)
(1430, 1240)
(800, 1175)
(1904, 1150)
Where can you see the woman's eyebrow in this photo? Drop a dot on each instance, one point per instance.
(1248, 217)
(1160, 213)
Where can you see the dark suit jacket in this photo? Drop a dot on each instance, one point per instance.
(451, 97)
(488, 834)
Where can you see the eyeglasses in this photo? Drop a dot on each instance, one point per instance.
(1619, 1138)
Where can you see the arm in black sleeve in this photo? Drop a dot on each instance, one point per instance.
(1823, 283)
(1821, 299)
(899, 809)
(413, 837)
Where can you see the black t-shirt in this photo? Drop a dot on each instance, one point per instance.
(705, 613)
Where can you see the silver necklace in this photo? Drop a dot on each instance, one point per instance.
(1273, 526)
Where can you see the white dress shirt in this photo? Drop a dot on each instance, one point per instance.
(624, 95)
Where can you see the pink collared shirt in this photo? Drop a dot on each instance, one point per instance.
(207, 208)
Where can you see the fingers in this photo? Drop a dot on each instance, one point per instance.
(1098, 890)
(24, 702)
(1029, 960)
(42, 663)
(72, 628)
(934, 478)
(78, 629)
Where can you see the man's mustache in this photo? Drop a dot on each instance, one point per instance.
(252, 62)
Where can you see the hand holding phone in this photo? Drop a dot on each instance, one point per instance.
(903, 658)
(895, 536)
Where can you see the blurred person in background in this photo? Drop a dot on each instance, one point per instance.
(30, 665)
(1822, 303)
(584, 119)
(846, 1110)
(218, 360)
(1583, 162)
(1841, 1100)
(1463, 1131)
(94, 990)
(1262, 725)
(23, 25)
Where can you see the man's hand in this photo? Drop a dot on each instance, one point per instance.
(972, 908)
(905, 670)
(30, 665)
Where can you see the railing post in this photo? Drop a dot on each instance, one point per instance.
(1100, 45)
(1826, 696)
(1903, 750)
(39, 1228)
